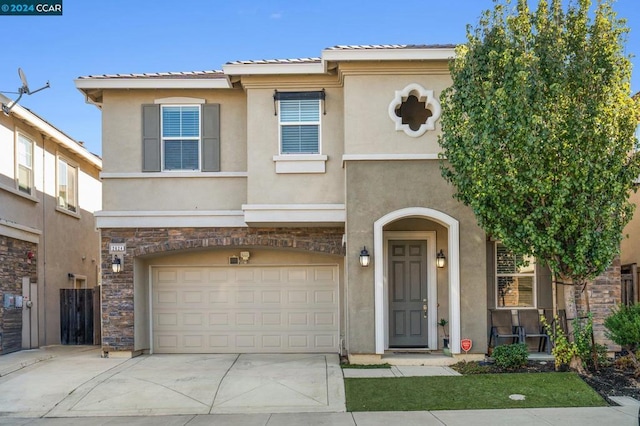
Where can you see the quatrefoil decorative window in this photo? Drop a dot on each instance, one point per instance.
(414, 110)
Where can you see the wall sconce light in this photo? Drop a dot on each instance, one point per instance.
(116, 265)
(364, 257)
(441, 259)
(244, 255)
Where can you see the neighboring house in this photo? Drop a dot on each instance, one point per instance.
(49, 190)
(630, 247)
(237, 204)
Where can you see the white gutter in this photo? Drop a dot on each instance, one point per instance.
(270, 69)
(152, 83)
(388, 54)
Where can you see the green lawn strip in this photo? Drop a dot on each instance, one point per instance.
(469, 392)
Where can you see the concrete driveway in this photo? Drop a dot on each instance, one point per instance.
(63, 381)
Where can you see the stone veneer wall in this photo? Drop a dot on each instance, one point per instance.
(14, 265)
(117, 289)
(605, 293)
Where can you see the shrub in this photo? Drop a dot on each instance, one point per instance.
(563, 350)
(511, 356)
(623, 327)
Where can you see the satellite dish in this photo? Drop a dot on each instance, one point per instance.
(22, 90)
(23, 78)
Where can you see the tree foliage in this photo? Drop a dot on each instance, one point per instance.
(538, 131)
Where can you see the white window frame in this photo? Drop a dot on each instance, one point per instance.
(532, 263)
(300, 123)
(163, 139)
(21, 134)
(61, 159)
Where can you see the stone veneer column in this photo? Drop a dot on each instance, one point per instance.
(14, 265)
(605, 293)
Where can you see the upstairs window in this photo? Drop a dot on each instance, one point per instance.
(181, 137)
(67, 186)
(515, 285)
(299, 119)
(25, 164)
(180, 134)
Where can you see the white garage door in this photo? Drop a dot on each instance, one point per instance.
(245, 309)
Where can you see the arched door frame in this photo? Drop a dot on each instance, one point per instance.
(453, 268)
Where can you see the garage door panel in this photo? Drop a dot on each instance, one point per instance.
(245, 309)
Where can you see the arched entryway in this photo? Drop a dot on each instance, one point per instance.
(381, 238)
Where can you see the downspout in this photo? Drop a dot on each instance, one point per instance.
(44, 247)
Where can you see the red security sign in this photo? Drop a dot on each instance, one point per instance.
(466, 344)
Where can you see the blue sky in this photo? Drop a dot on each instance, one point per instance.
(134, 36)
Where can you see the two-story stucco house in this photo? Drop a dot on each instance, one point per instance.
(241, 205)
(49, 190)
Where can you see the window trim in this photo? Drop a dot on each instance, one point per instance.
(300, 123)
(533, 274)
(69, 163)
(18, 133)
(162, 138)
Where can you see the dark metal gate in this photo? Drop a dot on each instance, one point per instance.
(76, 316)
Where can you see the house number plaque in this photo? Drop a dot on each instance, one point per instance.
(117, 248)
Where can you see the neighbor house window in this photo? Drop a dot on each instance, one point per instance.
(181, 137)
(67, 186)
(25, 164)
(299, 125)
(515, 281)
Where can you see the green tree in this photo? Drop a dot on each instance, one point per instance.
(538, 133)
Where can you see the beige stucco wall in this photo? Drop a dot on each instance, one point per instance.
(67, 243)
(265, 186)
(372, 192)
(122, 154)
(369, 88)
(630, 245)
(217, 257)
(185, 193)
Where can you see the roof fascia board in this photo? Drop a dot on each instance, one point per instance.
(152, 83)
(284, 68)
(388, 54)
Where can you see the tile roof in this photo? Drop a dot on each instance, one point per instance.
(391, 46)
(188, 74)
(220, 74)
(278, 61)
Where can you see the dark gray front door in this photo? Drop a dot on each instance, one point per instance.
(407, 294)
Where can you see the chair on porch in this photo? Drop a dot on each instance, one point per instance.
(530, 326)
(502, 327)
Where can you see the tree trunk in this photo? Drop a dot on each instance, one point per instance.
(594, 352)
(572, 313)
(554, 294)
(569, 303)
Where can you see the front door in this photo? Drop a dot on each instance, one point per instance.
(408, 322)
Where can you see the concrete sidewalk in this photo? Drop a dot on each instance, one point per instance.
(590, 416)
(71, 385)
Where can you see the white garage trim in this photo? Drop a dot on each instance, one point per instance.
(244, 309)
